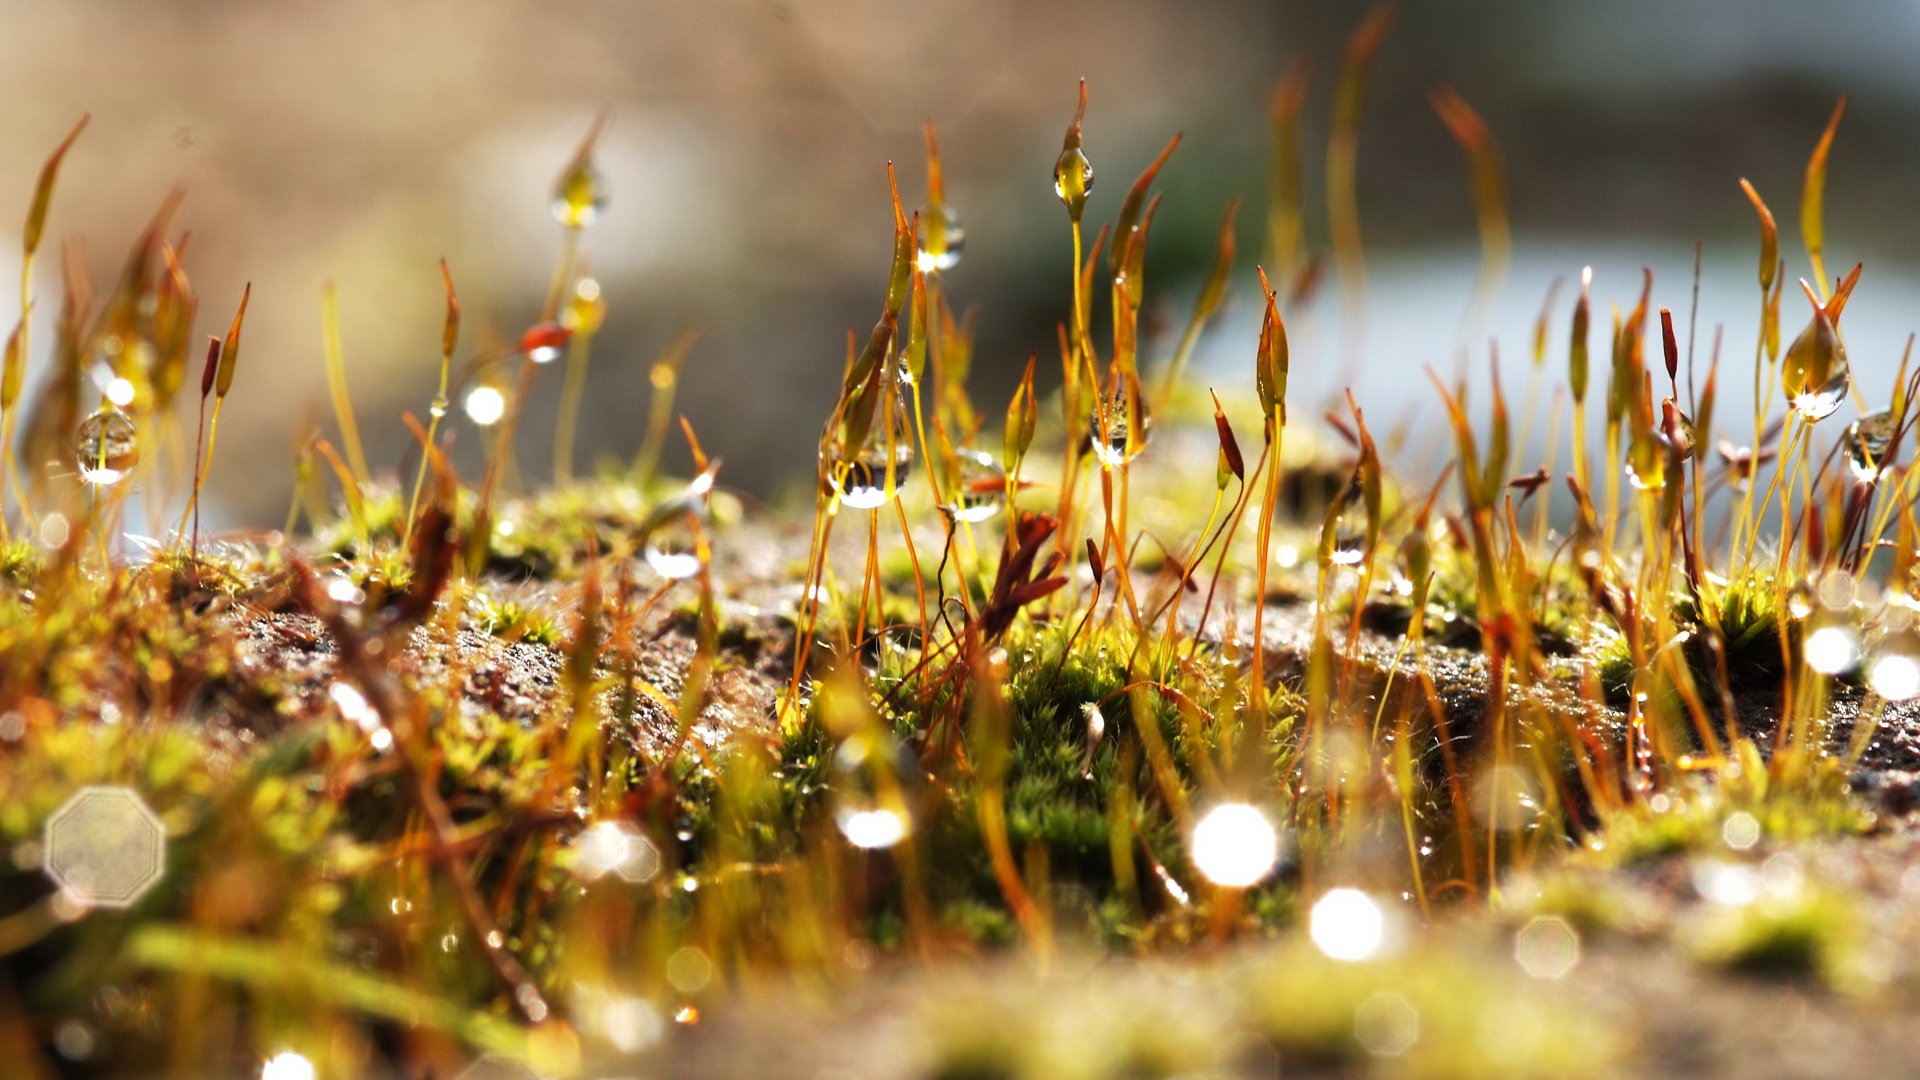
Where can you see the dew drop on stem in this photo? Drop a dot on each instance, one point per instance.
(106, 447)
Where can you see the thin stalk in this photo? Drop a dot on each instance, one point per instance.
(337, 383)
(579, 350)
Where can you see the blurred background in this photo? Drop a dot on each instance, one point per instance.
(359, 141)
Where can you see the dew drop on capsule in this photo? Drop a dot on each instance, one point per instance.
(1676, 429)
(579, 196)
(106, 447)
(1868, 440)
(543, 341)
(1072, 179)
(942, 239)
(980, 487)
(1818, 403)
(1815, 372)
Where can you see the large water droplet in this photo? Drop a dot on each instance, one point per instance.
(1116, 447)
(579, 196)
(1072, 179)
(673, 549)
(980, 487)
(106, 447)
(1348, 544)
(868, 775)
(1868, 440)
(1647, 463)
(863, 485)
(1819, 402)
(1815, 372)
(942, 239)
(861, 477)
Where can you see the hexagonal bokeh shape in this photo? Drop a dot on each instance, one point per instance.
(105, 848)
(1547, 947)
(496, 1067)
(1386, 1025)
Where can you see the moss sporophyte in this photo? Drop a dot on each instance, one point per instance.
(460, 772)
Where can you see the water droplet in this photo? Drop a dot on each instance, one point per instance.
(1676, 429)
(1800, 600)
(1349, 542)
(673, 549)
(942, 239)
(586, 308)
(1116, 448)
(1072, 179)
(485, 405)
(439, 406)
(864, 485)
(1815, 371)
(1868, 440)
(1647, 463)
(106, 447)
(579, 196)
(979, 487)
(543, 341)
(868, 775)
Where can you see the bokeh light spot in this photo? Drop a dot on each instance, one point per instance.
(105, 848)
